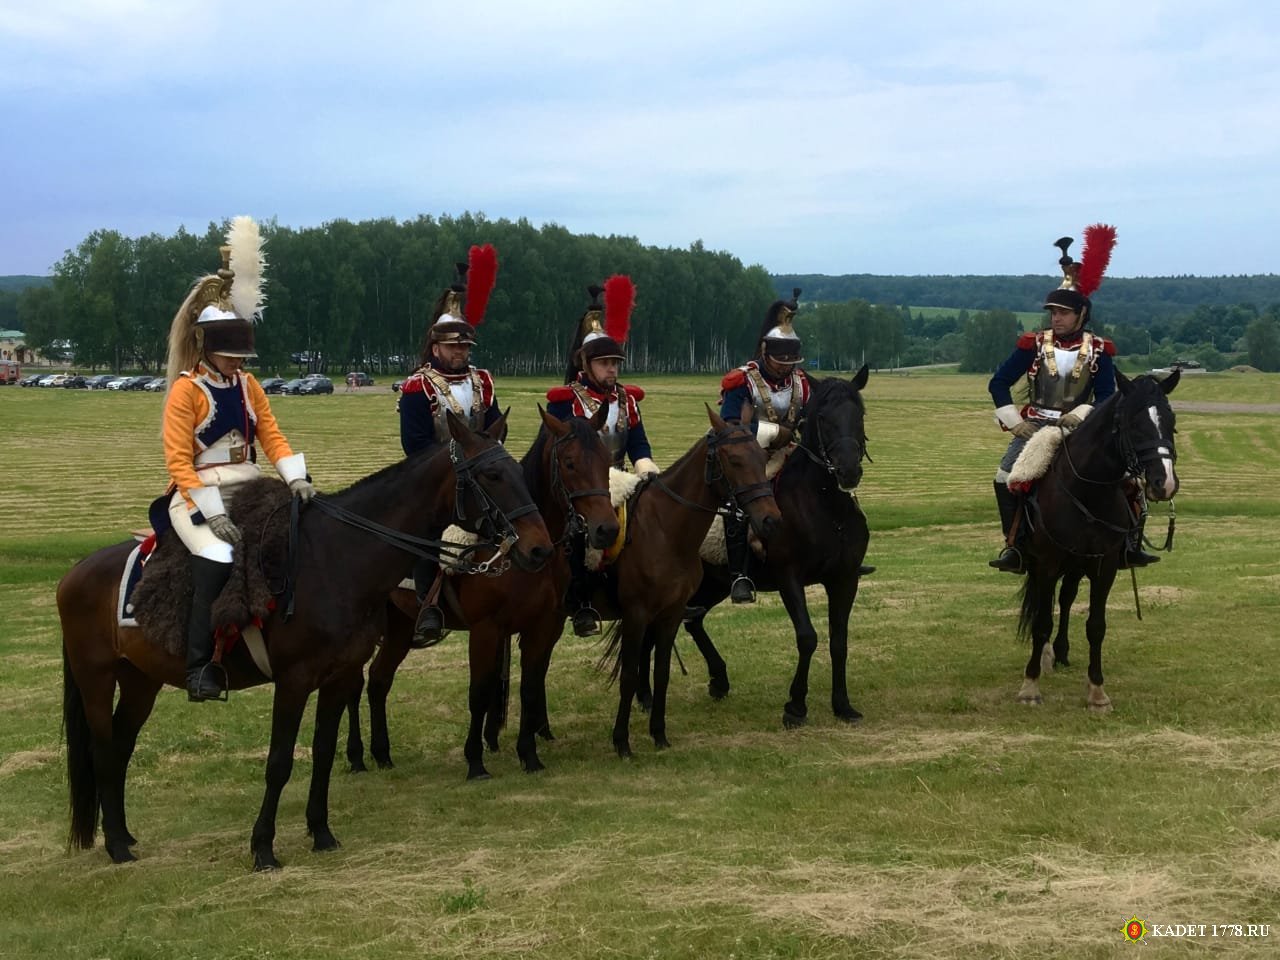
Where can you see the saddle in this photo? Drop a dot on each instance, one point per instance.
(161, 602)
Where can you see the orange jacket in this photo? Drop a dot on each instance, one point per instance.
(187, 407)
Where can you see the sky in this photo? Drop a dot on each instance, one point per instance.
(809, 137)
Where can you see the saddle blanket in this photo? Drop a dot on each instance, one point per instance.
(1034, 460)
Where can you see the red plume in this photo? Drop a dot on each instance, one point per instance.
(482, 272)
(619, 299)
(1099, 240)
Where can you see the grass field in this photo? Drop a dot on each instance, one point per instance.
(951, 823)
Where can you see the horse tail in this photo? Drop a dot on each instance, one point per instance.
(82, 783)
(612, 639)
(1027, 613)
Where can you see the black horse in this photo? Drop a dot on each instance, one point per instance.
(1080, 519)
(343, 576)
(821, 538)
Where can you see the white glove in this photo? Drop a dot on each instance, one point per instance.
(222, 528)
(646, 467)
(1069, 422)
(302, 489)
(1023, 430)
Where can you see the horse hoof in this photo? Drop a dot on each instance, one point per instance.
(492, 745)
(533, 765)
(662, 743)
(324, 842)
(624, 750)
(266, 862)
(849, 715)
(645, 703)
(121, 854)
(384, 763)
(718, 689)
(546, 734)
(793, 721)
(481, 774)
(1032, 701)
(359, 767)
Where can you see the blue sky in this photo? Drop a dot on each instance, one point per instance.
(841, 137)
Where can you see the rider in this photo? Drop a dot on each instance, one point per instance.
(446, 380)
(214, 414)
(774, 383)
(595, 357)
(1065, 365)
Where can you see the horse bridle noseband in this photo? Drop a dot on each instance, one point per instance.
(491, 514)
(821, 457)
(575, 523)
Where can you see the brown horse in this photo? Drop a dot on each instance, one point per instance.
(567, 473)
(322, 646)
(650, 584)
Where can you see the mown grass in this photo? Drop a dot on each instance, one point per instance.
(951, 823)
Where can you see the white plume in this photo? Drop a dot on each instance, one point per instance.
(248, 263)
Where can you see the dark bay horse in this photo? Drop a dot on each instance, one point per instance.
(1079, 516)
(342, 579)
(822, 539)
(650, 584)
(567, 473)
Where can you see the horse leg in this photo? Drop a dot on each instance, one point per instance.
(662, 634)
(1040, 588)
(333, 699)
(630, 664)
(496, 717)
(483, 655)
(382, 674)
(644, 690)
(289, 702)
(137, 698)
(1066, 597)
(355, 743)
(536, 644)
(1095, 627)
(795, 711)
(98, 692)
(706, 597)
(840, 596)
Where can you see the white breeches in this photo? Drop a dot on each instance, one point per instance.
(197, 537)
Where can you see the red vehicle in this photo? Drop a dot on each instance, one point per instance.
(10, 371)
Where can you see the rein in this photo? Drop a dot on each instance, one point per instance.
(714, 475)
(575, 524)
(822, 458)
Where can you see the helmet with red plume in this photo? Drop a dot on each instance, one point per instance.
(1080, 280)
(602, 331)
(451, 322)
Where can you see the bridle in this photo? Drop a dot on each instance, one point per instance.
(735, 498)
(820, 456)
(492, 522)
(575, 522)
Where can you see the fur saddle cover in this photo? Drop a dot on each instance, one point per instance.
(1034, 460)
(162, 599)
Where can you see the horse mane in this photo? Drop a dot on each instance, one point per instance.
(387, 476)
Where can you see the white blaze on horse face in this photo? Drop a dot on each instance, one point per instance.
(1170, 485)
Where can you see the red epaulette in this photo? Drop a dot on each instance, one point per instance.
(635, 393)
(413, 384)
(1107, 346)
(1027, 341)
(560, 394)
(733, 379)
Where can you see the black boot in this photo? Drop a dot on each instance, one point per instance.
(741, 589)
(205, 680)
(865, 569)
(428, 629)
(586, 618)
(1134, 555)
(1010, 559)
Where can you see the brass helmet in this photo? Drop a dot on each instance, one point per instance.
(778, 339)
(1081, 279)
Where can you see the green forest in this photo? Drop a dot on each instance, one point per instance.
(357, 295)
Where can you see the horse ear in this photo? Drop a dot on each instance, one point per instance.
(458, 428)
(1171, 381)
(860, 378)
(601, 416)
(1123, 382)
(498, 429)
(553, 424)
(748, 413)
(717, 422)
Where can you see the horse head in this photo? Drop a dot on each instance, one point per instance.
(577, 462)
(736, 460)
(1145, 429)
(833, 427)
(492, 498)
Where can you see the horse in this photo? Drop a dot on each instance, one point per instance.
(567, 473)
(822, 539)
(341, 589)
(650, 583)
(1080, 520)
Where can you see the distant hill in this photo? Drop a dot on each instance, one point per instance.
(19, 282)
(1138, 300)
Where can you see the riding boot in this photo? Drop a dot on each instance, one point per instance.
(585, 617)
(205, 679)
(741, 589)
(1134, 555)
(865, 568)
(1010, 559)
(428, 629)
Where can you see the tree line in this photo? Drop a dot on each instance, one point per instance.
(358, 295)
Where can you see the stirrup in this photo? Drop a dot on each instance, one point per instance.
(586, 622)
(202, 687)
(428, 629)
(1010, 560)
(1136, 557)
(742, 590)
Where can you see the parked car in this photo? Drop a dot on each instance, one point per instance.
(358, 378)
(100, 381)
(272, 384)
(156, 385)
(291, 386)
(78, 382)
(1185, 365)
(316, 384)
(54, 379)
(31, 380)
(117, 383)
